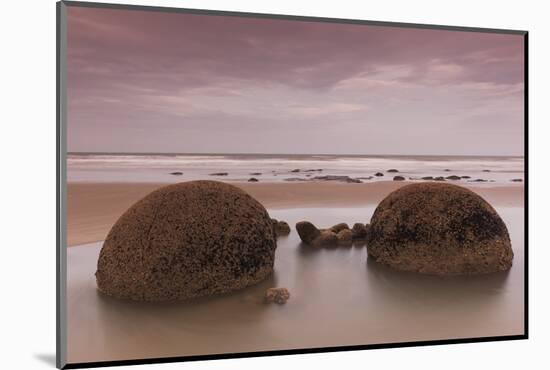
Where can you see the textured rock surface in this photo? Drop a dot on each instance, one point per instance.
(438, 228)
(280, 227)
(344, 237)
(339, 227)
(187, 240)
(359, 231)
(327, 238)
(277, 295)
(307, 231)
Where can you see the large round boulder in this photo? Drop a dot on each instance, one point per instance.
(438, 228)
(187, 240)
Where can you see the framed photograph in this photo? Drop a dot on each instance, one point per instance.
(234, 184)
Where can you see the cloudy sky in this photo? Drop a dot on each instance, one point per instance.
(164, 82)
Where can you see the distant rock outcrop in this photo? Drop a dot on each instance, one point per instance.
(219, 174)
(453, 177)
(398, 178)
(253, 179)
(337, 178)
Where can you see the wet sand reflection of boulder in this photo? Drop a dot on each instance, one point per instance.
(187, 240)
(439, 228)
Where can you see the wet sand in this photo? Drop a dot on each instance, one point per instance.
(337, 298)
(94, 207)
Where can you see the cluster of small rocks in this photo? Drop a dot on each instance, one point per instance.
(339, 234)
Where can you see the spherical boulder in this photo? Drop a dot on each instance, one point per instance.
(438, 228)
(187, 240)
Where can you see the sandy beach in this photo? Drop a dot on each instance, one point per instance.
(94, 207)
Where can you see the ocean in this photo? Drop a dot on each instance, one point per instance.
(159, 168)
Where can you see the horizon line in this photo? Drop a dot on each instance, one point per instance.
(295, 154)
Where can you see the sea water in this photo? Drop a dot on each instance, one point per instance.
(97, 167)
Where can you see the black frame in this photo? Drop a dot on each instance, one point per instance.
(60, 193)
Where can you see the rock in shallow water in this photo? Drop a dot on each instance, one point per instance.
(280, 227)
(307, 231)
(344, 237)
(311, 235)
(277, 295)
(438, 228)
(339, 227)
(187, 240)
(359, 231)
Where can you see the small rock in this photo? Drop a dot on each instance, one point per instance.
(465, 177)
(314, 170)
(219, 174)
(253, 179)
(392, 170)
(486, 171)
(281, 228)
(344, 237)
(478, 180)
(427, 178)
(255, 173)
(439, 178)
(339, 227)
(326, 238)
(516, 180)
(295, 179)
(453, 177)
(277, 295)
(296, 170)
(177, 173)
(359, 231)
(307, 231)
(447, 170)
(337, 178)
(378, 174)
(398, 178)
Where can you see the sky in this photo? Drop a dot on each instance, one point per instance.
(141, 81)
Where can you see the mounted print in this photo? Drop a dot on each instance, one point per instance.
(235, 184)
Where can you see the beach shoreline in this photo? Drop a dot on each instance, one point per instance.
(93, 207)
